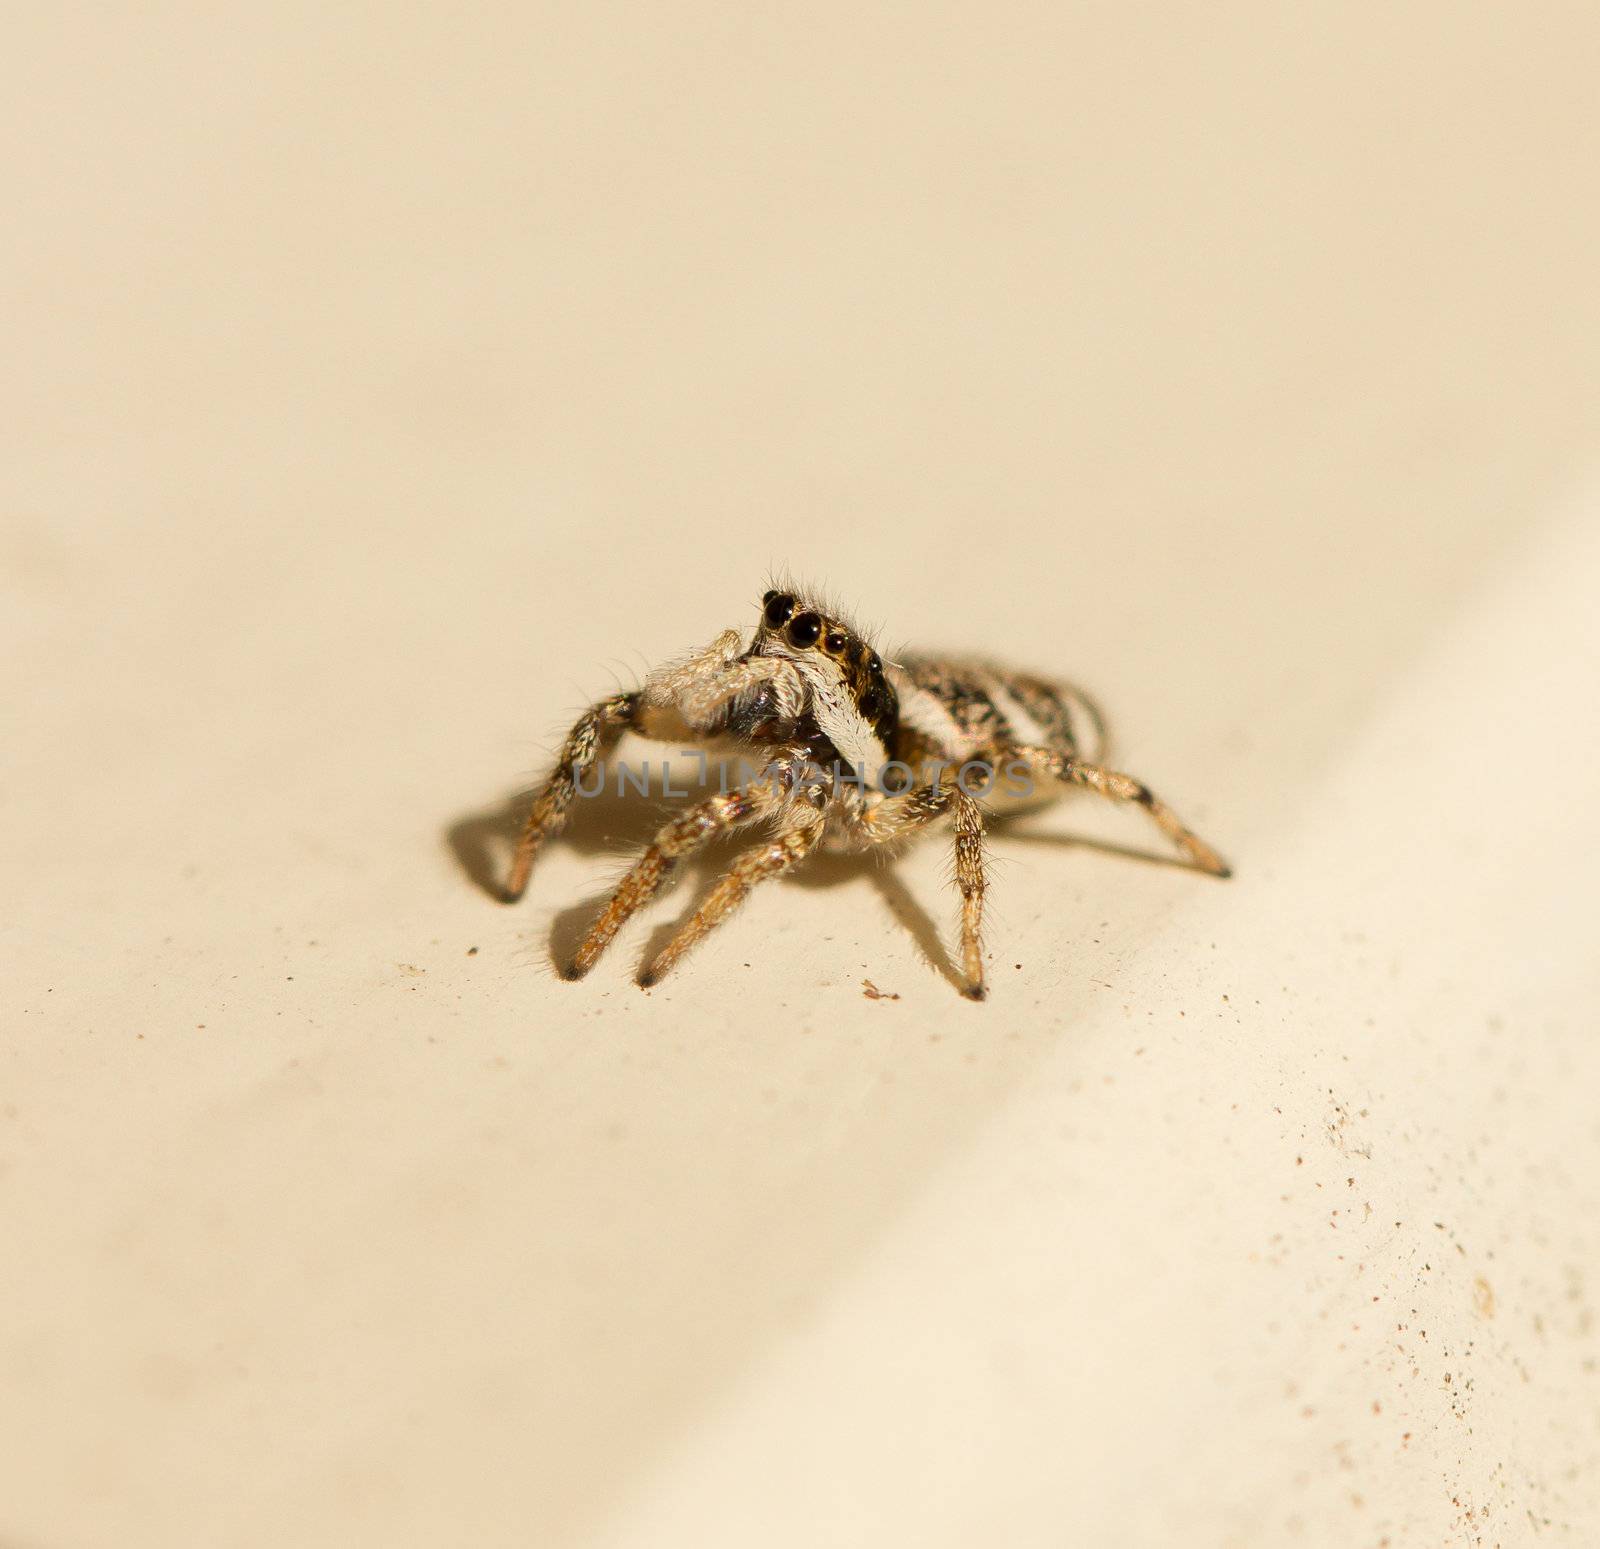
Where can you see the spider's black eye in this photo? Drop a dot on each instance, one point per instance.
(835, 643)
(804, 628)
(777, 610)
(875, 666)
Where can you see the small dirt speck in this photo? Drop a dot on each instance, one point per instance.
(872, 992)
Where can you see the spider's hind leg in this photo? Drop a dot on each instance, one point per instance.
(1121, 787)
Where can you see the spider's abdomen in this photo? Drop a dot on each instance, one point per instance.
(965, 709)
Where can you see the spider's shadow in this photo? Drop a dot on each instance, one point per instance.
(616, 826)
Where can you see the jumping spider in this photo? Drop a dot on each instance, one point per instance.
(807, 692)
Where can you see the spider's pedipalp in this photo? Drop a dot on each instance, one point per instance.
(702, 688)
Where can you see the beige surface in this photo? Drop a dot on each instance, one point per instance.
(378, 387)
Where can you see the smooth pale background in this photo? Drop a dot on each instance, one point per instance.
(380, 385)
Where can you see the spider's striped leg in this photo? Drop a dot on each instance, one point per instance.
(683, 835)
(1120, 787)
(783, 850)
(899, 816)
(596, 731)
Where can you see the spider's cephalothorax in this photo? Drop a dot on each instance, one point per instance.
(831, 720)
(847, 710)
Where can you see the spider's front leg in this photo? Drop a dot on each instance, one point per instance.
(698, 689)
(897, 817)
(795, 839)
(680, 837)
(596, 731)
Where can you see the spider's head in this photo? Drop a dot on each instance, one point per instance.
(852, 699)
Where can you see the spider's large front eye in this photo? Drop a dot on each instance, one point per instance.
(804, 628)
(777, 610)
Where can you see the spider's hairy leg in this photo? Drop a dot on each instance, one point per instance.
(970, 878)
(901, 815)
(1122, 787)
(785, 849)
(683, 835)
(596, 731)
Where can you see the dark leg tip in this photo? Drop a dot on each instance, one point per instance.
(647, 978)
(975, 991)
(571, 972)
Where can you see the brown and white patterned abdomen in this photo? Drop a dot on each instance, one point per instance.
(971, 708)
